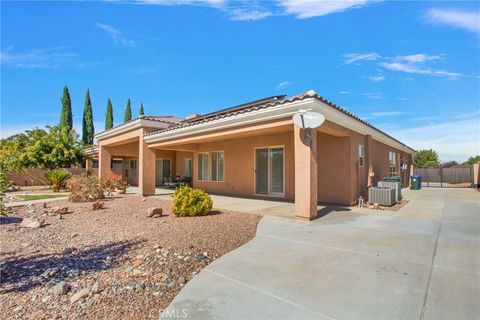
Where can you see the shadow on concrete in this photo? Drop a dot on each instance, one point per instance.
(22, 273)
(331, 208)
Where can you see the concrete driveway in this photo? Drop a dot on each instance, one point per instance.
(422, 262)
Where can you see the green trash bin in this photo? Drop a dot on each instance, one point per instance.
(415, 182)
(393, 179)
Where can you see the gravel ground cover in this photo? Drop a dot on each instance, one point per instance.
(118, 263)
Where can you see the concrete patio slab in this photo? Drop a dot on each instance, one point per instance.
(349, 264)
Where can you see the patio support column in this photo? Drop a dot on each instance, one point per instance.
(104, 163)
(146, 169)
(89, 166)
(306, 177)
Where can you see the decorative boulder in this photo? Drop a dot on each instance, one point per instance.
(32, 223)
(154, 211)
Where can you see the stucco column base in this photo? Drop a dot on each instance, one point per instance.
(305, 175)
(146, 166)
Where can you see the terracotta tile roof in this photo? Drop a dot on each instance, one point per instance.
(250, 107)
(230, 112)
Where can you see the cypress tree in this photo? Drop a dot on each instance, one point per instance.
(87, 124)
(109, 115)
(141, 113)
(128, 112)
(66, 118)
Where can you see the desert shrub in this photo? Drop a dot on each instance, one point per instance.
(85, 188)
(57, 178)
(109, 185)
(191, 202)
(3, 187)
(121, 185)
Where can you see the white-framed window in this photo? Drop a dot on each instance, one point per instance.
(392, 163)
(203, 166)
(218, 164)
(361, 155)
(116, 164)
(131, 168)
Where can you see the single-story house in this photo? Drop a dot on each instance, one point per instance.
(255, 150)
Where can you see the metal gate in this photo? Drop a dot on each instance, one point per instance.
(457, 177)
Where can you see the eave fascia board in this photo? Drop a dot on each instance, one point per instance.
(262, 115)
(129, 126)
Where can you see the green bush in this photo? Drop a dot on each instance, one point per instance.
(189, 202)
(85, 188)
(3, 187)
(57, 178)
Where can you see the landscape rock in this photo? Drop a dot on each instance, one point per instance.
(58, 210)
(95, 288)
(79, 295)
(60, 288)
(154, 211)
(97, 205)
(181, 280)
(32, 223)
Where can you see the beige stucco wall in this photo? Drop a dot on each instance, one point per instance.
(239, 164)
(334, 178)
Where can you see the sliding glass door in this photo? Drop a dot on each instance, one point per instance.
(269, 171)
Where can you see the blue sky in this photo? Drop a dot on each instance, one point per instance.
(410, 68)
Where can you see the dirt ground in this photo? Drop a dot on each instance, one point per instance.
(130, 265)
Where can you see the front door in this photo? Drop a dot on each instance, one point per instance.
(162, 171)
(269, 171)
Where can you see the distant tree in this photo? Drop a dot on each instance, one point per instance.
(66, 118)
(450, 164)
(128, 112)
(472, 160)
(109, 115)
(59, 147)
(87, 125)
(141, 112)
(426, 159)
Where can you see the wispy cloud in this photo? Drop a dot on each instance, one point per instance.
(209, 3)
(37, 58)
(386, 113)
(283, 84)
(467, 20)
(377, 78)
(373, 95)
(419, 58)
(355, 57)
(248, 15)
(344, 92)
(419, 63)
(303, 9)
(402, 98)
(116, 35)
(251, 10)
